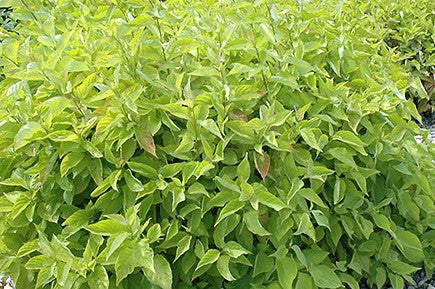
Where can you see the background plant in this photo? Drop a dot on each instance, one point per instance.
(410, 30)
(219, 144)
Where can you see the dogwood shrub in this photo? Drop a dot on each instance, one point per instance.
(209, 144)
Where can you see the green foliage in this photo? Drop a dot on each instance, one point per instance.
(209, 144)
(410, 29)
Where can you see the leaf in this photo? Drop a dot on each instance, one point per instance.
(318, 172)
(280, 253)
(92, 149)
(146, 141)
(304, 281)
(46, 164)
(223, 267)
(287, 80)
(78, 66)
(244, 169)
(230, 208)
(38, 262)
(381, 277)
(28, 248)
(239, 68)
(339, 189)
(241, 130)
(267, 32)
(287, 271)
(226, 182)
(263, 264)
(401, 268)
(212, 127)
(300, 255)
(142, 169)
(163, 274)
(107, 228)
(203, 168)
(78, 219)
(234, 249)
(183, 246)
(396, 281)
(253, 224)
(69, 161)
(21, 204)
(132, 254)
(343, 155)
(125, 262)
(324, 277)
(44, 276)
(47, 41)
(310, 138)
(27, 133)
(154, 233)
(266, 198)
(409, 245)
(99, 278)
(102, 187)
(205, 72)
(321, 219)
(262, 164)
(302, 66)
(210, 257)
(349, 138)
(365, 225)
(306, 227)
(188, 171)
(349, 279)
(132, 183)
(381, 221)
(311, 195)
(62, 271)
(116, 241)
(360, 180)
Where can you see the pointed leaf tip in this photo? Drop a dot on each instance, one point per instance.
(146, 141)
(262, 164)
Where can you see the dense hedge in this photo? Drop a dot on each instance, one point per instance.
(410, 29)
(204, 144)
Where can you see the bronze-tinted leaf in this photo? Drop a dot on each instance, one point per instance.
(239, 115)
(146, 141)
(262, 164)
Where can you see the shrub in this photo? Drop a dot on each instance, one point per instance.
(208, 145)
(410, 30)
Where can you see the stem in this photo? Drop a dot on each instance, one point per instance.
(31, 13)
(262, 72)
(274, 32)
(51, 4)
(259, 60)
(161, 39)
(16, 63)
(195, 129)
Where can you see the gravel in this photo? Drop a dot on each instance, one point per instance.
(6, 283)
